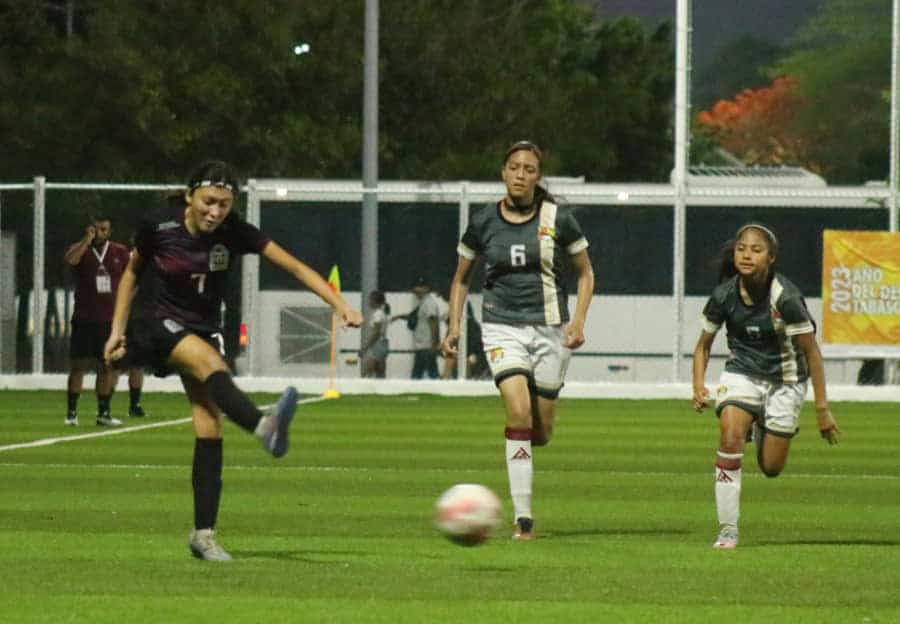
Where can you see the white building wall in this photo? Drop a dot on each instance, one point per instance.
(629, 339)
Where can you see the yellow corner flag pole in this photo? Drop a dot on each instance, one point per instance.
(334, 282)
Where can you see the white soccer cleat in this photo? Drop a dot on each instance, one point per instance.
(728, 538)
(105, 420)
(204, 546)
(72, 419)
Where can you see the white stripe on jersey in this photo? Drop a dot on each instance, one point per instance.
(548, 245)
(708, 326)
(580, 245)
(789, 369)
(465, 252)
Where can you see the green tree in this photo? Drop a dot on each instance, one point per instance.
(841, 60)
(595, 95)
(143, 90)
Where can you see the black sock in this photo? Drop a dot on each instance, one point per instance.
(232, 401)
(134, 395)
(206, 478)
(103, 404)
(73, 401)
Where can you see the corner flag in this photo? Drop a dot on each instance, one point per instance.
(334, 283)
(334, 279)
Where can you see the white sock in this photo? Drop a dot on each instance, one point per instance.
(728, 489)
(262, 427)
(519, 467)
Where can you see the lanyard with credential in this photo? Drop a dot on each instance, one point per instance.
(104, 281)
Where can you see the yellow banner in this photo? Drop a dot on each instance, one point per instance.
(861, 288)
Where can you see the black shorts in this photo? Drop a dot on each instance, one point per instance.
(149, 342)
(88, 339)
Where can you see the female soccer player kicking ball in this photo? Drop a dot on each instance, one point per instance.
(182, 255)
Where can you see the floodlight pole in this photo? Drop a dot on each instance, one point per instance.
(892, 176)
(679, 173)
(369, 226)
(891, 365)
(37, 268)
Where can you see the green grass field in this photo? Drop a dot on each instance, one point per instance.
(95, 530)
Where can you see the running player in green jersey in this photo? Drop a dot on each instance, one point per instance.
(773, 353)
(525, 239)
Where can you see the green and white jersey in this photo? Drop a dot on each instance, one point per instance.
(760, 338)
(523, 263)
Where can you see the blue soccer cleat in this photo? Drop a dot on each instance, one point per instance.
(275, 440)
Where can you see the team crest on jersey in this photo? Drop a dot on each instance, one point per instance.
(218, 257)
(545, 231)
(495, 354)
(753, 332)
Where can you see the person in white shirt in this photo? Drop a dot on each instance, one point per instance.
(424, 323)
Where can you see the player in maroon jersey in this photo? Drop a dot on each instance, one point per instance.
(98, 264)
(182, 255)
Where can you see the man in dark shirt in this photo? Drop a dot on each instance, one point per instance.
(98, 264)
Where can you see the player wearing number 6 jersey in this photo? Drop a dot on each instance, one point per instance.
(773, 352)
(182, 256)
(527, 240)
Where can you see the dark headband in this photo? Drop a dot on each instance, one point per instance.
(228, 186)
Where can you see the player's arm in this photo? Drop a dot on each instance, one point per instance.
(698, 375)
(76, 250)
(828, 427)
(276, 254)
(574, 334)
(115, 345)
(459, 290)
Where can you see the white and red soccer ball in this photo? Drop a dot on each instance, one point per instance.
(467, 513)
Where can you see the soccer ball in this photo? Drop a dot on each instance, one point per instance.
(467, 513)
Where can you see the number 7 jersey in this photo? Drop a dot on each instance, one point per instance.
(524, 263)
(187, 274)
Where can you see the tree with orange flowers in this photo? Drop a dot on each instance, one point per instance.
(756, 126)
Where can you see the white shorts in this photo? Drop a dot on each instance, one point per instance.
(535, 351)
(776, 404)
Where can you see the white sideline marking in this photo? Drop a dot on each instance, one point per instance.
(617, 473)
(119, 430)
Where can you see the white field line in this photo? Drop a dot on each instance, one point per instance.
(614, 473)
(117, 430)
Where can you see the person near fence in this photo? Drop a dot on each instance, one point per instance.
(98, 264)
(476, 362)
(526, 240)
(185, 254)
(424, 321)
(773, 355)
(374, 351)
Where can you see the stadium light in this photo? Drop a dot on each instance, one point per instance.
(301, 48)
